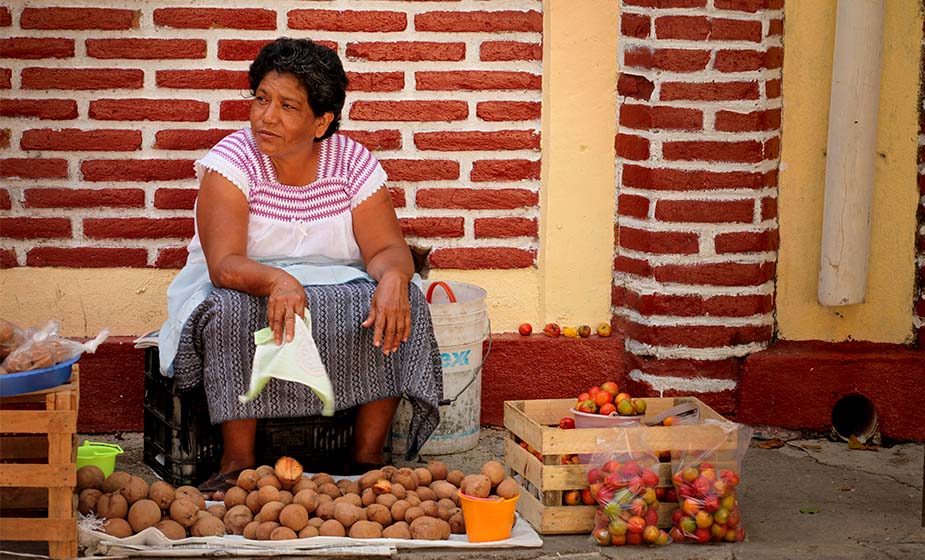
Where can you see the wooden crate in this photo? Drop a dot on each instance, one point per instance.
(38, 452)
(544, 480)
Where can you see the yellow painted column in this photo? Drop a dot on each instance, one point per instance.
(886, 316)
(579, 125)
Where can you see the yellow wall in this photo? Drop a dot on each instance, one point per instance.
(572, 282)
(886, 316)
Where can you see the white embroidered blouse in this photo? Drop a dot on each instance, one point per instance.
(306, 230)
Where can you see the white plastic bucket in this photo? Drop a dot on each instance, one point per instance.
(460, 327)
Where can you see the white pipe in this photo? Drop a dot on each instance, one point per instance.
(851, 152)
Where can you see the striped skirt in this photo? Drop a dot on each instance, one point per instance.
(217, 349)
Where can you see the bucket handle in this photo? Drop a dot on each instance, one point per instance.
(101, 444)
(447, 402)
(446, 288)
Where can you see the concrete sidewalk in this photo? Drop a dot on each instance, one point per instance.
(866, 504)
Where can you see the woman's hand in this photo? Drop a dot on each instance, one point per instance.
(286, 300)
(390, 313)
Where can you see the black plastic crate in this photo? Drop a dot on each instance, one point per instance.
(183, 447)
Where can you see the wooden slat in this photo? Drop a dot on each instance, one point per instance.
(23, 447)
(38, 421)
(523, 463)
(521, 425)
(30, 529)
(37, 476)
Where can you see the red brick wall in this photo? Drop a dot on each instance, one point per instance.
(697, 156)
(105, 109)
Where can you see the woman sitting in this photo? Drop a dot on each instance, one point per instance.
(292, 216)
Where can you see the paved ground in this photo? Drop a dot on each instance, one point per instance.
(866, 504)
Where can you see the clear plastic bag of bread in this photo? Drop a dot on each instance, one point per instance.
(42, 348)
(11, 337)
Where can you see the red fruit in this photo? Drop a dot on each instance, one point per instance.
(630, 469)
(610, 387)
(572, 498)
(660, 493)
(638, 507)
(584, 396)
(732, 520)
(611, 466)
(593, 391)
(711, 503)
(604, 495)
(552, 329)
(595, 489)
(567, 423)
(595, 475)
(671, 495)
(615, 481)
(636, 524)
(586, 497)
(652, 517)
(607, 410)
(702, 485)
(649, 478)
(587, 406)
(584, 331)
(676, 516)
(618, 540)
(525, 329)
(702, 535)
(602, 397)
(634, 538)
(676, 535)
(730, 478)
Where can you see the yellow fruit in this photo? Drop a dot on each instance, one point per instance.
(569, 332)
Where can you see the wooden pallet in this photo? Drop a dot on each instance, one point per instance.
(543, 480)
(38, 448)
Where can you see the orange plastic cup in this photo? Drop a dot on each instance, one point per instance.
(488, 520)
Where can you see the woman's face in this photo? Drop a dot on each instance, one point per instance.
(281, 118)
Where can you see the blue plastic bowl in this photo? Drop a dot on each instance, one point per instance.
(36, 379)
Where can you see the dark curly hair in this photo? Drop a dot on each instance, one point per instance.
(316, 66)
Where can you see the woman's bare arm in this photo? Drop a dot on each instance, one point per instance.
(221, 218)
(388, 261)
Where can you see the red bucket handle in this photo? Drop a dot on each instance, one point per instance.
(446, 288)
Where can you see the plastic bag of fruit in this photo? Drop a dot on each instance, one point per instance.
(706, 477)
(623, 477)
(43, 348)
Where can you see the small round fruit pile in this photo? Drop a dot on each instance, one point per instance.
(604, 330)
(607, 400)
(279, 503)
(628, 514)
(709, 510)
